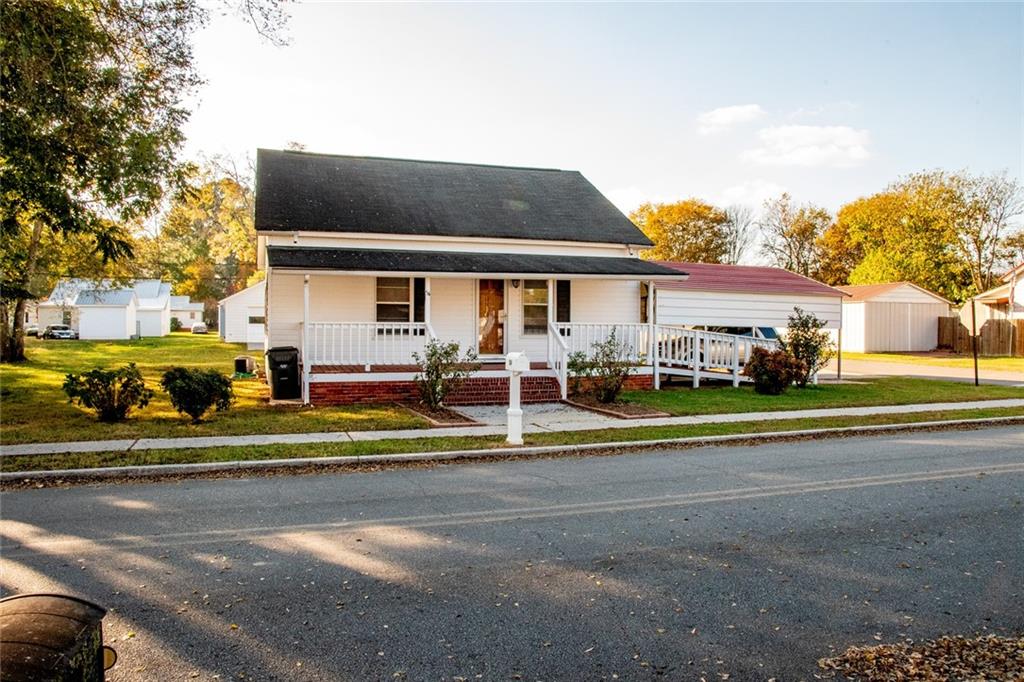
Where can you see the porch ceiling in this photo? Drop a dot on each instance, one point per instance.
(455, 263)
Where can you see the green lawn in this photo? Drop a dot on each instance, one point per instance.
(33, 408)
(449, 443)
(994, 364)
(885, 391)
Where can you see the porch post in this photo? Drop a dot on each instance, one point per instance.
(552, 306)
(305, 340)
(652, 330)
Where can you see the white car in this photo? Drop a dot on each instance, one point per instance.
(199, 328)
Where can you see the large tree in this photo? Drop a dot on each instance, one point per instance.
(791, 234)
(91, 118)
(739, 232)
(689, 230)
(985, 208)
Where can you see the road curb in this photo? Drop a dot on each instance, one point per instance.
(164, 470)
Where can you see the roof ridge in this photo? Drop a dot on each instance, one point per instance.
(425, 161)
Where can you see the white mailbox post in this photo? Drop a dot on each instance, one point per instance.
(516, 363)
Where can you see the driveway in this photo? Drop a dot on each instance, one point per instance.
(746, 562)
(866, 368)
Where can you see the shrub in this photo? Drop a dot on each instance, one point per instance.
(175, 324)
(603, 372)
(194, 391)
(773, 370)
(442, 371)
(112, 393)
(807, 340)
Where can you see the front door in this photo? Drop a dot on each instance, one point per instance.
(492, 317)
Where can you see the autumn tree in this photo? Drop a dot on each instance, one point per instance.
(91, 116)
(739, 232)
(689, 231)
(838, 255)
(985, 205)
(791, 234)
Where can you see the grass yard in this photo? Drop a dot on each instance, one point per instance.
(449, 443)
(943, 359)
(885, 391)
(33, 408)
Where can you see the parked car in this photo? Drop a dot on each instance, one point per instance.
(199, 328)
(59, 331)
(32, 330)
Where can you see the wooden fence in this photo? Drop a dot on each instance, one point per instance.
(995, 337)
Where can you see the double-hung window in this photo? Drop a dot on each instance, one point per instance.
(400, 299)
(535, 306)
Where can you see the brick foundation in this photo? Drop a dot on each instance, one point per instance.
(634, 382)
(474, 391)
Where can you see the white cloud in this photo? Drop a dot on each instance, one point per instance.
(752, 193)
(723, 118)
(800, 145)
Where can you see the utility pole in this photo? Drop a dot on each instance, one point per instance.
(974, 339)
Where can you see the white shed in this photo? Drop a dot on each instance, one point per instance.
(154, 313)
(896, 316)
(106, 314)
(186, 312)
(743, 297)
(241, 316)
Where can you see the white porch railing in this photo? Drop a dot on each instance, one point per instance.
(366, 343)
(694, 351)
(582, 337)
(558, 350)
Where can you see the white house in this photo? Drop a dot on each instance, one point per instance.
(185, 311)
(240, 316)
(149, 304)
(105, 314)
(744, 298)
(896, 316)
(367, 259)
(1003, 302)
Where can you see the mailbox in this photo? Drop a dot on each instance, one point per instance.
(517, 362)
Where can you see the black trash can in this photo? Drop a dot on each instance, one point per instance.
(283, 368)
(52, 637)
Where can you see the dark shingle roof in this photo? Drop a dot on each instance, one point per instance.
(325, 193)
(379, 260)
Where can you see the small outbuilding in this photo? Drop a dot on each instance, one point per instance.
(186, 312)
(891, 317)
(241, 316)
(107, 314)
(743, 299)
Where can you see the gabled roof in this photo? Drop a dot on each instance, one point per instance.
(105, 297)
(262, 284)
(185, 303)
(866, 292)
(150, 293)
(745, 278)
(299, 191)
(415, 263)
(1017, 271)
(997, 294)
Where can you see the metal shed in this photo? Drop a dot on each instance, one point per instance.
(896, 316)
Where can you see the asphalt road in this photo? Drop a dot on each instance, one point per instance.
(750, 562)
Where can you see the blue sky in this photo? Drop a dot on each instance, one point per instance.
(727, 102)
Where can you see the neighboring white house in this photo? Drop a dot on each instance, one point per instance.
(743, 297)
(105, 314)
(1004, 302)
(150, 303)
(240, 316)
(186, 312)
(896, 316)
(368, 259)
(154, 313)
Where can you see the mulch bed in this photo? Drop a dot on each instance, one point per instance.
(440, 417)
(946, 658)
(619, 410)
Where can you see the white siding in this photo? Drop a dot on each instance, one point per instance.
(452, 310)
(905, 294)
(233, 315)
(741, 309)
(106, 322)
(853, 327)
(603, 300)
(154, 322)
(400, 242)
(48, 315)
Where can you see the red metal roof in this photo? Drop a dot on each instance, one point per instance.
(745, 278)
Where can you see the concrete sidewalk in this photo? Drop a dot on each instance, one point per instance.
(541, 418)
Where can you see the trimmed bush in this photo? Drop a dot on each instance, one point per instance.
(175, 324)
(112, 393)
(442, 371)
(195, 391)
(603, 372)
(807, 340)
(773, 370)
